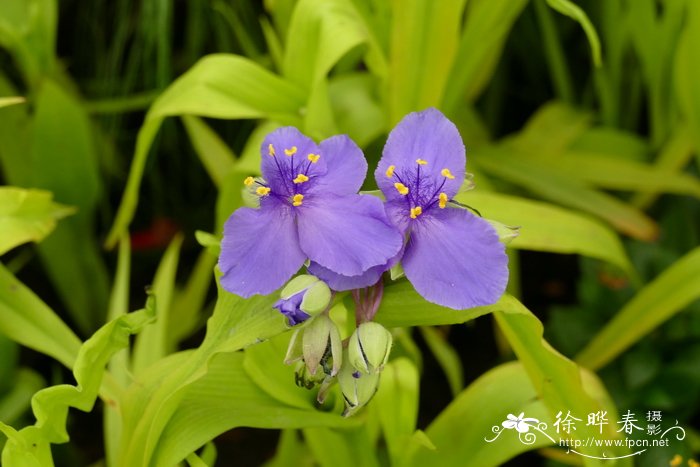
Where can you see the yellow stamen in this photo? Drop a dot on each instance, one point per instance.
(248, 181)
(291, 152)
(415, 212)
(271, 150)
(421, 162)
(262, 190)
(447, 174)
(677, 460)
(443, 200)
(313, 158)
(301, 178)
(390, 171)
(401, 188)
(296, 200)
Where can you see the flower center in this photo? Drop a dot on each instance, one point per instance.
(292, 176)
(421, 190)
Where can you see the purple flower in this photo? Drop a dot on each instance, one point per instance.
(452, 257)
(308, 209)
(291, 308)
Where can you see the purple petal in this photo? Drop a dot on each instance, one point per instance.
(426, 135)
(340, 282)
(346, 167)
(280, 170)
(347, 234)
(453, 258)
(260, 250)
(290, 307)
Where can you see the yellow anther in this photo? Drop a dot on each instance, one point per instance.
(401, 188)
(271, 150)
(248, 181)
(301, 178)
(390, 171)
(677, 459)
(415, 212)
(297, 199)
(421, 162)
(313, 158)
(693, 463)
(447, 174)
(291, 151)
(262, 190)
(442, 200)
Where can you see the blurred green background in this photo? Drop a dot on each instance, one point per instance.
(592, 107)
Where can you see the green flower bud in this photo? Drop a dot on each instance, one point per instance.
(303, 297)
(369, 347)
(321, 346)
(358, 388)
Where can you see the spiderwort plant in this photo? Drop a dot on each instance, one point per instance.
(309, 209)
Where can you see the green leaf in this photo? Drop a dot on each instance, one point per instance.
(463, 429)
(215, 155)
(618, 174)
(552, 184)
(152, 344)
(149, 404)
(187, 308)
(355, 107)
(686, 72)
(225, 398)
(27, 216)
(556, 379)
(17, 400)
(208, 90)
(320, 34)
(397, 404)
(28, 30)
(485, 31)
(665, 296)
(27, 320)
(346, 448)
(446, 356)
(7, 101)
(425, 35)
(565, 7)
(402, 306)
(119, 366)
(32, 445)
(64, 161)
(546, 227)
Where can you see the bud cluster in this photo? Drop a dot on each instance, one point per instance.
(321, 355)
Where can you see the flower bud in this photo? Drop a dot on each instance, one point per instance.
(321, 346)
(369, 347)
(303, 297)
(358, 388)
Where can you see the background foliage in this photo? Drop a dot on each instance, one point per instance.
(138, 121)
